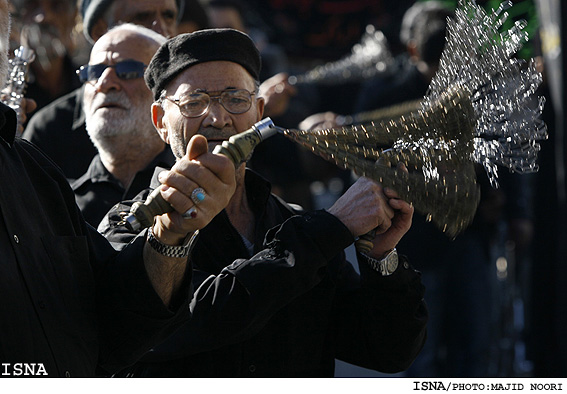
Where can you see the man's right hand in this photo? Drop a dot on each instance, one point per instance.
(366, 206)
(215, 174)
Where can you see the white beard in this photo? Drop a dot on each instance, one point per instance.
(104, 125)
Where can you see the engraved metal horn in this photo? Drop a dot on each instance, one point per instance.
(435, 146)
(480, 109)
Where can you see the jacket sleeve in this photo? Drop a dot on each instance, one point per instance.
(380, 321)
(132, 318)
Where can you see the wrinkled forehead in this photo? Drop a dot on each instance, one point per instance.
(121, 45)
(212, 76)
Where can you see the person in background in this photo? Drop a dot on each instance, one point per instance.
(117, 105)
(305, 303)
(423, 34)
(59, 129)
(72, 305)
(100, 15)
(47, 27)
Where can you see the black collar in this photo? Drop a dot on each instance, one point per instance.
(97, 172)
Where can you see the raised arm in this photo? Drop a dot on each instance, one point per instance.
(198, 169)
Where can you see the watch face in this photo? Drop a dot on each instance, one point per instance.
(392, 264)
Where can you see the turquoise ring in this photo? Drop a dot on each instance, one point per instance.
(198, 195)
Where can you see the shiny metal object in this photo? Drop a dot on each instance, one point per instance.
(435, 147)
(481, 108)
(15, 88)
(239, 147)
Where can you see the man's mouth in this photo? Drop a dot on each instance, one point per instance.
(110, 106)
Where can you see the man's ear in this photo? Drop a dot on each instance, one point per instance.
(157, 120)
(260, 103)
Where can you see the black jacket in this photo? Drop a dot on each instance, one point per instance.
(303, 304)
(69, 301)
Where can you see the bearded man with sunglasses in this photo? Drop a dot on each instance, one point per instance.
(275, 295)
(117, 102)
(59, 128)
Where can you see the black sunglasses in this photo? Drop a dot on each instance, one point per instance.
(127, 69)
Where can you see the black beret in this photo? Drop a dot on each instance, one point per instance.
(186, 50)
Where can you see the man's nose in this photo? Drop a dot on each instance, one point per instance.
(217, 116)
(108, 80)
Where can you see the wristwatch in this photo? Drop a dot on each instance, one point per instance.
(387, 265)
(172, 251)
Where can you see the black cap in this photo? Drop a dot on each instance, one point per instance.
(93, 10)
(186, 50)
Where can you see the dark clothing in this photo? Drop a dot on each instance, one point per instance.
(59, 131)
(306, 307)
(98, 190)
(69, 301)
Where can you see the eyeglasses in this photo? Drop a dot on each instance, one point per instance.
(195, 104)
(127, 69)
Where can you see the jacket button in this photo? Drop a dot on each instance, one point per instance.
(67, 374)
(252, 368)
(16, 239)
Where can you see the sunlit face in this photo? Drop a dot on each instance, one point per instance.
(115, 106)
(158, 15)
(217, 124)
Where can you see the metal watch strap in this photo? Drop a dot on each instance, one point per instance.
(172, 251)
(387, 265)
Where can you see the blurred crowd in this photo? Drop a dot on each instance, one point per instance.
(481, 289)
